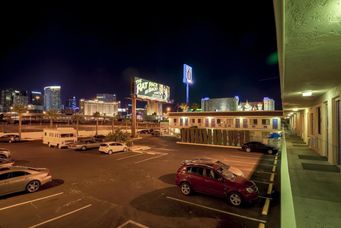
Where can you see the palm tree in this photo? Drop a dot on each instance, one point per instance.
(96, 115)
(77, 117)
(52, 114)
(113, 123)
(195, 106)
(20, 109)
(183, 107)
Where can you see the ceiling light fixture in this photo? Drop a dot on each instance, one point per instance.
(307, 93)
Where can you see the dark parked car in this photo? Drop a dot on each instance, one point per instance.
(215, 178)
(145, 131)
(9, 138)
(259, 147)
(99, 138)
(156, 133)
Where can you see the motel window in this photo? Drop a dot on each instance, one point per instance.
(254, 121)
(319, 120)
(265, 122)
(229, 122)
(193, 121)
(181, 121)
(207, 122)
(186, 122)
(199, 121)
(275, 123)
(237, 123)
(213, 123)
(175, 121)
(244, 123)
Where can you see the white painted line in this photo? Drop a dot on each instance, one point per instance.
(132, 222)
(131, 156)
(217, 210)
(150, 158)
(61, 216)
(31, 201)
(247, 163)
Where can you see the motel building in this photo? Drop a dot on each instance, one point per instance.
(309, 54)
(257, 124)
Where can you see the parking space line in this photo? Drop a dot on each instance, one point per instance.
(270, 189)
(31, 201)
(264, 197)
(261, 225)
(248, 163)
(272, 177)
(265, 210)
(264, 172)
(61, 216)
(217, 210)
(132, 222)
(150, 158)
(131, 156)
(274, 169)
(261, 182)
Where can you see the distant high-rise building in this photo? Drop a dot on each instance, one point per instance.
(106, 97)
(89, 107)
(35, 101)
(52, 98)
(269, 104)
(6, 99)
(72, 103)
(20, 98)
(219, 104)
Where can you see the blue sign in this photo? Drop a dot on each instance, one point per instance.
(188, 79)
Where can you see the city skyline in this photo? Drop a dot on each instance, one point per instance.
(87, 57)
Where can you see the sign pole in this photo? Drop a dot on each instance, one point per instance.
(133, 109)
(187, 93)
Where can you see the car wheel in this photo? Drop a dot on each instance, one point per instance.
(10, 141)
(33, 186)
(248, 149)
(110, 152)
(270, 151)
(83, 148)
(125, 149)
(185, 188)
(2, 156)
(235, 199)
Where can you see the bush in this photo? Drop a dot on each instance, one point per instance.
(118, 136)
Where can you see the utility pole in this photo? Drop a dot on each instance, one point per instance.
(133, 109)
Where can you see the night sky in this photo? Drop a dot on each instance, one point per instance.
(96, 48)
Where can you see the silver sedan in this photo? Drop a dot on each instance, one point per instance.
(18, 178)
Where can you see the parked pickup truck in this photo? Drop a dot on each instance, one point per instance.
(85, 144)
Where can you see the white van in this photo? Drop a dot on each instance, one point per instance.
(59, 137)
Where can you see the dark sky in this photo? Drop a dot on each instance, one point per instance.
(96, 48)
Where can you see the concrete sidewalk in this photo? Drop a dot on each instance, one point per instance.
(315, 185)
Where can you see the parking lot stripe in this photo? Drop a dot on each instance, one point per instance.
(217, 210)
(247, 163)
(61, 216)
(131, 156)
(150, 158)
(261, 225)
(270, 189)
(275, 162)
(265, 210)
(261, 182)
(272, 177)
(31, 201)
(274, 169)
(132, 222)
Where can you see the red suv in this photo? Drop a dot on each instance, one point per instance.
(215, 178)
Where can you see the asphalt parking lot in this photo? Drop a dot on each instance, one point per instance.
(130, 189)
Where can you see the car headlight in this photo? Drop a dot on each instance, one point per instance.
(249, 190)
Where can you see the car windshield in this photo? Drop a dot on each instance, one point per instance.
(224, 170)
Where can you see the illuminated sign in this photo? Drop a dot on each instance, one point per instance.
(151, 90)
(188, 79)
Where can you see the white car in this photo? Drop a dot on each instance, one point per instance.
(110, 147)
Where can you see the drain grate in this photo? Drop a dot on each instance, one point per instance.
(318, 167)
(312, 157)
